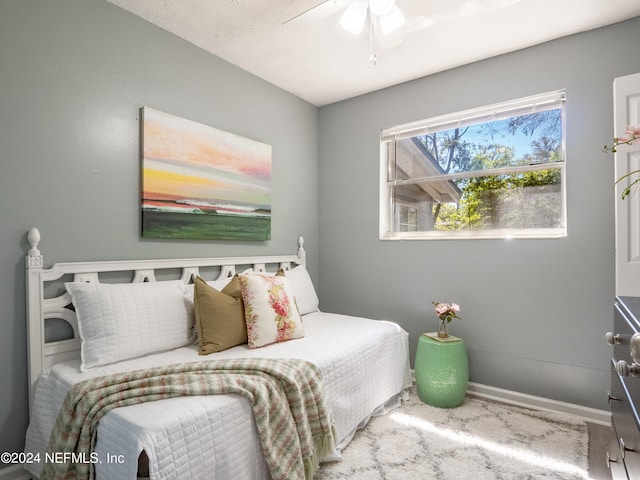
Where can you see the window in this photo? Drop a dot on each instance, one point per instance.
(491, 172)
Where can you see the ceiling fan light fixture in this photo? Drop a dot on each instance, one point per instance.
(354, 17)
(381, 7)
(392, 21)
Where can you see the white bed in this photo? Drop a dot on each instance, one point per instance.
(364, 364)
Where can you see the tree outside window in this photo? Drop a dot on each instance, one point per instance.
(500, 173)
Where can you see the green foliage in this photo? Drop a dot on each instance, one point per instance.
(500, 201)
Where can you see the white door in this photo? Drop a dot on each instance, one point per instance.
(626, 96)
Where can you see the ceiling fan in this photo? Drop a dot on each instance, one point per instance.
(383, 15)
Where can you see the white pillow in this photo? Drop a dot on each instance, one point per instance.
(122, 321)
(303, 290)
(218, 284)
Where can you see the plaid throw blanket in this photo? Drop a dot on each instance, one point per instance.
(290, 410)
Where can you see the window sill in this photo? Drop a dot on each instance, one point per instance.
(543, 233)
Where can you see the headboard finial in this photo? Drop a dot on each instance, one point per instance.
(301, 252)
(34, 258)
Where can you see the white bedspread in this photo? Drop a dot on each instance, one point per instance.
(365, 365)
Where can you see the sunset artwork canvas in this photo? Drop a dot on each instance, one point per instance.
(199, 182)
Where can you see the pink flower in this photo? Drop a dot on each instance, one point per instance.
(279, 303)
(632, 134)
(634, 129)
(441, 308)
(446, 311)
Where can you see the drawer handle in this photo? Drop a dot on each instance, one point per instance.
(610, 460)
(624, 448)
(624, 369)
(634, 347)
(613, 339)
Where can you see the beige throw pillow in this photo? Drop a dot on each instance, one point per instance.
(220, 321)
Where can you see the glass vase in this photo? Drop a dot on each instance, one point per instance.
(442, 329)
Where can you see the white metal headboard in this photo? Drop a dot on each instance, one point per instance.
(42, 353)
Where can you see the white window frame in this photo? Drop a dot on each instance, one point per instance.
(532, 104)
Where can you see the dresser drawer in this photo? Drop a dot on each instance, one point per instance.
(625, 325)
(614, 459)
(626, 424)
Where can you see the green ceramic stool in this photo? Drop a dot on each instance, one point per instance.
(442, 371)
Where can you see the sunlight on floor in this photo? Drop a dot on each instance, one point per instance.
(470, 440)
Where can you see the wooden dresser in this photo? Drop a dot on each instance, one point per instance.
(624, 397)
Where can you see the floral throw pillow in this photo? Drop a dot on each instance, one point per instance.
(270, 310)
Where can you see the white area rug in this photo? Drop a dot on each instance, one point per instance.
(479, 440)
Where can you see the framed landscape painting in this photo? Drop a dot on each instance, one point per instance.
(199, 182)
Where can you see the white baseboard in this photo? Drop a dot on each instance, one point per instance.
(14, 472)
(601, 417)
(593, 415)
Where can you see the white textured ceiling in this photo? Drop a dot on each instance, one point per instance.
(313, 58)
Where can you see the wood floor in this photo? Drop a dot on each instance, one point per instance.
(599, 438)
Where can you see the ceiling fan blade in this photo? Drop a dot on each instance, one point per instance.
(318, 12)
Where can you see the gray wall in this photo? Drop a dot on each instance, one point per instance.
(75, 72)
(534, 311)
(73, 76)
